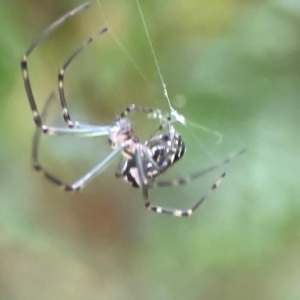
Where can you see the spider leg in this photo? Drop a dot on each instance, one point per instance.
(61, 73)
(140, 163)
(171, 131)
(134, 107)
(77, 185)
(148, 110)
(37, 133)
(178, 212)
(87, 131)
(84, 131)
(196, 175)
(24, 66)
(160, 128)
(149, 157)
(82, 181)
(142, 157)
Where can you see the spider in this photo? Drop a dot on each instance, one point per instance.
(141, 162)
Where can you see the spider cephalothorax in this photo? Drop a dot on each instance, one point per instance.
(120, 132)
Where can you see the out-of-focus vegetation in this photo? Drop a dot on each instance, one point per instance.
(230, 65)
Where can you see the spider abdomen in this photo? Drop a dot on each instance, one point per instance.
(164, 154)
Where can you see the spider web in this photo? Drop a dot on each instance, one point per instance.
(176, 117)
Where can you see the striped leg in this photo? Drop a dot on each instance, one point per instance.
(178, 212)
(193, 176)
(140, 164)
(141, 158)
(61, 74)
(24, 67)
(80, 183)
(37, 134)
(83, 180)
(171, 130)
(148, 110)
(134, 107)
(86, 131)
(34, 153)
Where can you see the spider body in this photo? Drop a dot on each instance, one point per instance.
(120, 132)
(141, 162)
(164, 154)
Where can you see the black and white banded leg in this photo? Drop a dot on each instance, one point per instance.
(61, 74)
(134, 108)
(193, 176)
(87, 130)
(179, 212)
(176, 182)
(146, 182)
(24, 67)
(78, 184)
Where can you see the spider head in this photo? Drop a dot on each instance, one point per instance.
(120, 132)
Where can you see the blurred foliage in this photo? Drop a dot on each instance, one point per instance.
(230, 65)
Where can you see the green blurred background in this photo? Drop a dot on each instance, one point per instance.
(230, 65)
